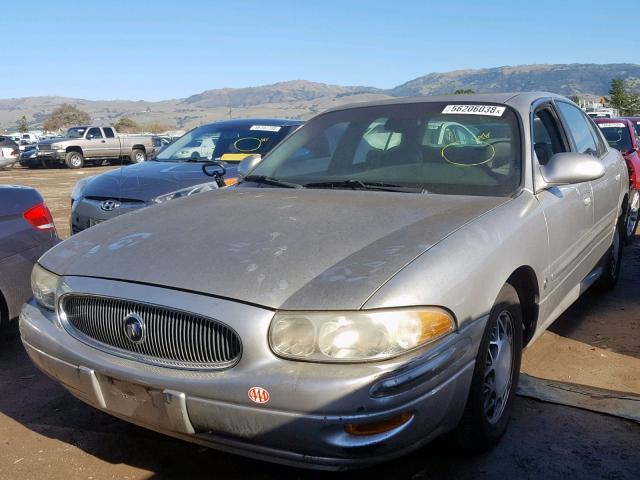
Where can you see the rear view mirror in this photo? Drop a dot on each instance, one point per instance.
(248, 164)
(568, 168)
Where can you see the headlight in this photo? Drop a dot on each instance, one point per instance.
(80, 186)
(44, 285)
(186, 192)
(57, 146)
(356, 336)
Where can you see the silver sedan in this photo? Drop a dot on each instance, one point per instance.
(368, 286)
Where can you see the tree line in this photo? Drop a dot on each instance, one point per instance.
(67, 115)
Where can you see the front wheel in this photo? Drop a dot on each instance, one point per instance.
(495, 376)
(631, 216)
(138, 156)
(74, 160)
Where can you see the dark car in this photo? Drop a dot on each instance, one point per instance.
(29, 157)
(184, 167)
(26, 232)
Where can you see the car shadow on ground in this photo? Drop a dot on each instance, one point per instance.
(608, 320)
(544, 441)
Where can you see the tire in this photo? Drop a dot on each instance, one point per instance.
(495, 376)
(631, 216)
(74, 160)
(611, 263)
(138, 156)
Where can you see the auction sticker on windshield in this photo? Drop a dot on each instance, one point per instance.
(492, 110)
(266, 128)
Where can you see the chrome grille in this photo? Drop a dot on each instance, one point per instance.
(44, 146)
(172, 338)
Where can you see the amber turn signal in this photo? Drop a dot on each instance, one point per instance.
(373, 428)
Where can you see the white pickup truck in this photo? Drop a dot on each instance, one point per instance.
(91, 143)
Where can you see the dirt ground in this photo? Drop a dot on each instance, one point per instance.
(47, 433)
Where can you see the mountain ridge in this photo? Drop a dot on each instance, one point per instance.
(304, 98)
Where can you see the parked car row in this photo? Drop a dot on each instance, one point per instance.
(370, 282)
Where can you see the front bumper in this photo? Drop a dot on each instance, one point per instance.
(309, 406)
(58, 155)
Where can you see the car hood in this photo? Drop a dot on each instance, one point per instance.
(56, 140)
(279, 248)
(145, 181)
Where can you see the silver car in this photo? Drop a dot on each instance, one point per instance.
(368, 286)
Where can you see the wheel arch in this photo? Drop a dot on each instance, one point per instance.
(525, 281)
(75, 149)
(138, 147)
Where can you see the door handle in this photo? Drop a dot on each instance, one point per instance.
(587, 201)
(104, 141)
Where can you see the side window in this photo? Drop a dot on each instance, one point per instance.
(580, 129)
(547, 136)
(108, 132)
(94, 133)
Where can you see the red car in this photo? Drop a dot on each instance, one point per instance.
(620, 134)
(636, 123)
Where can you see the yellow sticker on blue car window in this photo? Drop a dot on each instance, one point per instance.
(491, 110)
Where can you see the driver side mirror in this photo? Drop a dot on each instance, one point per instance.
(568, 168)
(248, 164)
(89, 137)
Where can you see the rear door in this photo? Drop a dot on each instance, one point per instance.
(110, 143)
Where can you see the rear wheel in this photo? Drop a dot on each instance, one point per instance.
(612, 261)
(138, 156)
(74, 160)
(631, 216)
(495, 376)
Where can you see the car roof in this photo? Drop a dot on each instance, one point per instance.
(241, 122)
(509, 98)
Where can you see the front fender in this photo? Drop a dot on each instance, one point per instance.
(465, 271)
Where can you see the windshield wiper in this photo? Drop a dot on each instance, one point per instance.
(270, 181)
(360, 185)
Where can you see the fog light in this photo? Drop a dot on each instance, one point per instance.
(382, 426)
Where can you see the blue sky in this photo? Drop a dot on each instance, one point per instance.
(159, 49)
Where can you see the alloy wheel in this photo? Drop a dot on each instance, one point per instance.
(499, 367)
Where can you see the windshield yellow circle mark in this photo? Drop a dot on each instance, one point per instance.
(249, 144)
(457, 164)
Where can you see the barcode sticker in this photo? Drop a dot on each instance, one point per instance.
(491, 110)
(266, 128)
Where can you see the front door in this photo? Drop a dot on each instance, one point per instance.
(568, 210)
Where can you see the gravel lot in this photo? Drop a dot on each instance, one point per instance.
(47, 433)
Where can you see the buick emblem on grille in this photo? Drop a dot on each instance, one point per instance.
(109, 205)
(134, 327)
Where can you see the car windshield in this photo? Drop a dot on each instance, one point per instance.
(76, 132)
(432, 147)
(229, 143)
(617, 135)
